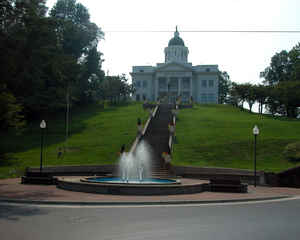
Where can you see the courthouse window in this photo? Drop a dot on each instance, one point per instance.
(204, 83)
(211, 83)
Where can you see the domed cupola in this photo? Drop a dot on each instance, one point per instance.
(176, 40)
(176, 51)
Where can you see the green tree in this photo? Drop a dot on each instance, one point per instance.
(46, 62)
(28, 43)
(10, 110)
(261, 93)
(240, 91)
(294, 56)
(224, 86)
(284, 67)
(250, 96)
(77, 33)
(115, 88)
(91, 76)
(79, 38)
(286, 96)
(279, 69)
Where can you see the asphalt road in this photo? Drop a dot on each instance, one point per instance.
(269, 220)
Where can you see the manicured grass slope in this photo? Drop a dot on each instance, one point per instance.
(221, 136)
(96, 137)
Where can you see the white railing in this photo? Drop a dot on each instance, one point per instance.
(139, 136)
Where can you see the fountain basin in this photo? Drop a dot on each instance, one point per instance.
(117, 180)
(80, 184)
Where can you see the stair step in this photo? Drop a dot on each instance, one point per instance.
(157, 136)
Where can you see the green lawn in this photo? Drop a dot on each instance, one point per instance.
(221, 136)
(96, 137)
(207, 135)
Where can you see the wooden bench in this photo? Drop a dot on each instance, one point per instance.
(227, 183)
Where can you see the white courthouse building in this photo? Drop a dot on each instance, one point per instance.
(176, 77)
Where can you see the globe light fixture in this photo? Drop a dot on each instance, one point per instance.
(43, 124)
(255, 130)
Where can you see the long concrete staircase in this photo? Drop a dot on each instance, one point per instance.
(157, 136)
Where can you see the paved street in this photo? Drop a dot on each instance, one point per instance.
(265, 220)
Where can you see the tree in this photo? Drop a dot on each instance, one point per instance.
(92, 75)
(261, 94)
(287, 97)
(10, 111)
(115, 88)
(294, 55)
(46, 62)
(279, 69)
(28, 44)
(77, 33)
(250, 96)
(284, 68)
(224, 87)
(79, 38)
(233, 98)
(240, 91)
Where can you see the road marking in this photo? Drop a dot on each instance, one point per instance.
(151, 205)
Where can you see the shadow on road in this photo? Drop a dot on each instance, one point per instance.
(14, 212)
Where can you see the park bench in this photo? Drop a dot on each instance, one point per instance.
(227, 183)
(38, 178)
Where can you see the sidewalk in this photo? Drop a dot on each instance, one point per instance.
(12, 190)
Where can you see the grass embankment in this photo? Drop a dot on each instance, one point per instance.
(221, 136)
(96, 135)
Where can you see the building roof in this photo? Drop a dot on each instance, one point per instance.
(176, 40)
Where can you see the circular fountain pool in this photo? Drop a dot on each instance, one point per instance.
(117, 180)
(156, 187)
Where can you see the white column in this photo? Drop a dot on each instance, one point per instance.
(168, 89)
(155, 89)
(179, 86)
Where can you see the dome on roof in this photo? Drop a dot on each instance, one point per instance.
(176, 40)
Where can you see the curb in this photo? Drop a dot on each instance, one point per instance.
(182, 202)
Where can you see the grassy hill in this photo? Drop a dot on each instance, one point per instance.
(221, 136)
(96, 135)
(207, 135)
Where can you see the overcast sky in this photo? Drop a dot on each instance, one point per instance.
(242, 55)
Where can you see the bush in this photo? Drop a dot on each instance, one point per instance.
(292, 151)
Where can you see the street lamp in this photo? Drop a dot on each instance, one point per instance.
(255, 133)
(42, 126)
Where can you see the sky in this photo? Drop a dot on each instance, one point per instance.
(137, 31)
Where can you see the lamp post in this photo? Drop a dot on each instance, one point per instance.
(42, 126)
(255, 133)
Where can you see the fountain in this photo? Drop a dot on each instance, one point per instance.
(134, 168)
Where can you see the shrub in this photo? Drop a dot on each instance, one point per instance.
(292, 151)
